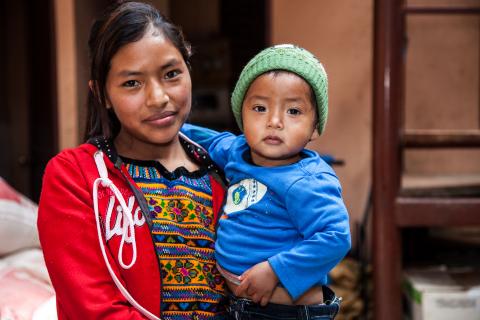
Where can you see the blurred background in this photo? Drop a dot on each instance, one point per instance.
(403, 127)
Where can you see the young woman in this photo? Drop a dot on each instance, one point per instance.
(127, 220)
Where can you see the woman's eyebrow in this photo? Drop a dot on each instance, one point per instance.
(128, 73)
(170, 63)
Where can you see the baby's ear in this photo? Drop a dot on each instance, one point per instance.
(315, 134)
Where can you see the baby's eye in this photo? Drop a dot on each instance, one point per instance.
(172, 74)
(259, 109)
(131, 83)
(294, 111)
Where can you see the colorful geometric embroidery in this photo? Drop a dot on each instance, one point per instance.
(183, 231)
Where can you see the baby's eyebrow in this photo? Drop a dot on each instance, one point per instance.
(258, 97)
(294, 99)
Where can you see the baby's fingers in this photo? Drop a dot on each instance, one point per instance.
(242, 288)
(264, 300)
(255, 297)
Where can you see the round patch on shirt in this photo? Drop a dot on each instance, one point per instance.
(244, 194)
(238, 194)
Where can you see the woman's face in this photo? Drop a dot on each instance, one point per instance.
(149, 89)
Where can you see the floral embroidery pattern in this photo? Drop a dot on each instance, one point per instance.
(203, 215)
(184, 272)
(177, 210)
(214, 278)
(183, 230)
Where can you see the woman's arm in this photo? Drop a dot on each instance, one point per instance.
(66, 224)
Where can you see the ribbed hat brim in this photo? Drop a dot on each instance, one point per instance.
(288, 58)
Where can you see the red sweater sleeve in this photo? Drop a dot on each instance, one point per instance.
(66, 224)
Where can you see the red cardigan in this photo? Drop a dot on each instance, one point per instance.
(68, 235)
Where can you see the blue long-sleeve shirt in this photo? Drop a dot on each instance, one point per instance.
(292, 216)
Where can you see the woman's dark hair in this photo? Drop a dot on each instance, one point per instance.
(122, 23)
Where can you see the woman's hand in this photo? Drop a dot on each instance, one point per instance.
(258, 283)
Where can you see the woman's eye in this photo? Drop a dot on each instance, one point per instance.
(259, 109)
(131, 83)
(293, 111)
(172, 74)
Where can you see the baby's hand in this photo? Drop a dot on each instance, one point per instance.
(258, 283)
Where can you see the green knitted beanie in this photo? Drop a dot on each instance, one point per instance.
(290, 58)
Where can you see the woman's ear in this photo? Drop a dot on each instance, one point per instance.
(91, 85)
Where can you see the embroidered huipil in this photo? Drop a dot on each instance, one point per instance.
(183, 231)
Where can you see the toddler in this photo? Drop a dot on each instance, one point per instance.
(284, 224)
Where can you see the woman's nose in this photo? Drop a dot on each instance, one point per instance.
(157, 96)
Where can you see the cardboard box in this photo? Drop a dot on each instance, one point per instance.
(443, 294)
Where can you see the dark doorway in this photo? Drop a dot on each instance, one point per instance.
(27, 93)
(224, 35)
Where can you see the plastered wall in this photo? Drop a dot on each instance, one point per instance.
(442, 86)
(339, 33)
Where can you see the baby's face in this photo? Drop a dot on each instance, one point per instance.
(279, 118)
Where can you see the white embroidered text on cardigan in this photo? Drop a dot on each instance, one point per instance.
(120, 223)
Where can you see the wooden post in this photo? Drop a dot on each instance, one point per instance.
(387, 120)
(66, 73)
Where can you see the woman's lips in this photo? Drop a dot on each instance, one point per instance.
(161, 119)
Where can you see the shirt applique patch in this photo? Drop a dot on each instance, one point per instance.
(238, 194)
(244, 194)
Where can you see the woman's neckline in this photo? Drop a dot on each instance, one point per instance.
(179, 171)
(164, 172)
(193, 151)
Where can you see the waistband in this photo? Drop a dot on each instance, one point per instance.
(329, 308)
(233, 278)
